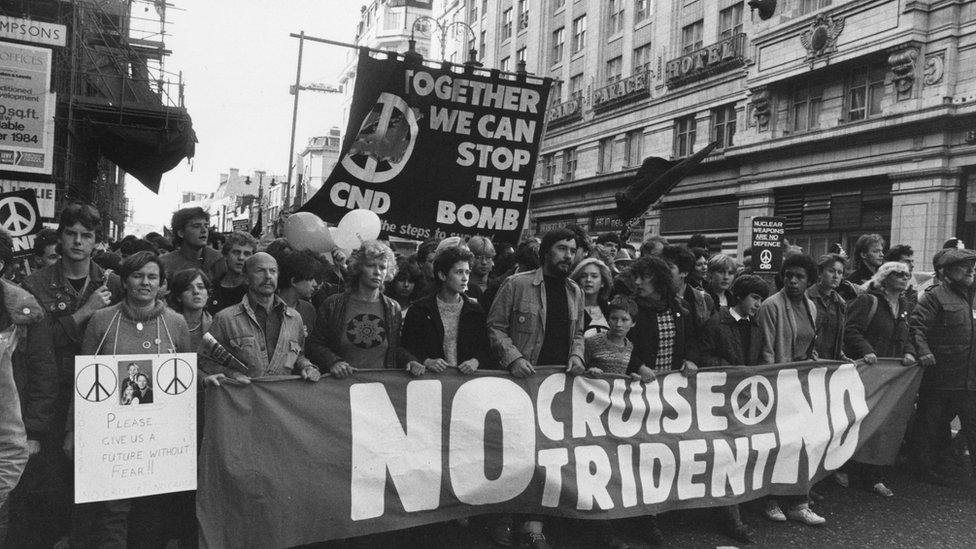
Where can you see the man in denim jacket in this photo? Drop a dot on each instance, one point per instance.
(263, 333)
(537, 319)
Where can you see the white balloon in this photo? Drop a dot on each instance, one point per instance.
(361, 224)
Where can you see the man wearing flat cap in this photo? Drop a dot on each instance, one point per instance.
(944, 329)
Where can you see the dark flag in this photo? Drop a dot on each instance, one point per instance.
(258, 225)
(655, 178)
(435, 152)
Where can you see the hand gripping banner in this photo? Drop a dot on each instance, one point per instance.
(437, 152)
(287, 463)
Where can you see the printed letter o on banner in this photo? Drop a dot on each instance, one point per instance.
(472, 402)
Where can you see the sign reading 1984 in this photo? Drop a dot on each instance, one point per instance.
(767, 243)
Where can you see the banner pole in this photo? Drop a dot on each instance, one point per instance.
(294, 110)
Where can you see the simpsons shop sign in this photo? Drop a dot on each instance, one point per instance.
(437, 152)
(385, 451)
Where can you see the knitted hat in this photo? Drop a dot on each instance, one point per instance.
(953, 256)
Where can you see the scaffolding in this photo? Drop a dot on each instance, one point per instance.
(118, 106)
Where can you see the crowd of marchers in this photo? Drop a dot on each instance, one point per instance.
(591, 304)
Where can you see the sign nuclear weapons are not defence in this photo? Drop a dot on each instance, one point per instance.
(288, 463)
(436, 152)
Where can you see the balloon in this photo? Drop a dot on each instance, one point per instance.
(305, 231)
(357, 226)
(344, 240)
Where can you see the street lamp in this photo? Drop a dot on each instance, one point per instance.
(472, 53)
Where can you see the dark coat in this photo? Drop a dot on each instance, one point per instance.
(886, 335)
(34, 368)
(942, 324)
(831, 310)
(423, 332)
(644, 335)
(721, 345)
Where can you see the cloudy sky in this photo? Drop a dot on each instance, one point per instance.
(238, 62)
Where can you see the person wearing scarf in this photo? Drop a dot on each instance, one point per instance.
(139, 324)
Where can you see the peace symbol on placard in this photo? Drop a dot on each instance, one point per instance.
(18, 216)
(754, 409)
(174, 376)
(96, 382)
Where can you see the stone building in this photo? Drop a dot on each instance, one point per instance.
(844, 116)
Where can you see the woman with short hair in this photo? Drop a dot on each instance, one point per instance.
(877, 326)
(140, 324)
(447, 329)
(721, 272)
(360, 328)
(407, 283)
(788, 323)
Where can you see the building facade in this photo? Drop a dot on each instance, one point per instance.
(843, 116)
(316, 162)
(116, 110)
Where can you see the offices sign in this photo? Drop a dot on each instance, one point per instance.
(26, 109)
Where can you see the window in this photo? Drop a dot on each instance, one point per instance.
(473, 12)
(484, 8)
(579, 33)
(806, 6)
(615, 16)
(576, 86)
(549, 169)
(471, 47)
(684, 136)
(614, 68)
(805, 106)
(723, 125)
(523, 14)
(642, 59)
(569, 164)
(730, 21)
(558, 40)
(556, 93)
(504, 64)
(520, 56)
(691, 37)
(481, 47)
(507, 24)
(633, 148)
(606, 155)
(556, 4)
(642, 10)
(865, 92)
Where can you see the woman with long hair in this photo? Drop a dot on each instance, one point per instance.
(596, 281)
(189, 293)
(407, 285)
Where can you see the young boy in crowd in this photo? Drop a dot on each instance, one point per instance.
(732, 338)
(609, 352)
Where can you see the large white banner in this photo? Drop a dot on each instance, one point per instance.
(26, 109)
(135, 425)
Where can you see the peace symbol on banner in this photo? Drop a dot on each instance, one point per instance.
(385, 141)
(747, 400)
(18, 215)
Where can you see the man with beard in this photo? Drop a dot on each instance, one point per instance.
(943, 325)
(230, 288)
(261, 331)
(191, 226)
(537, 319)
